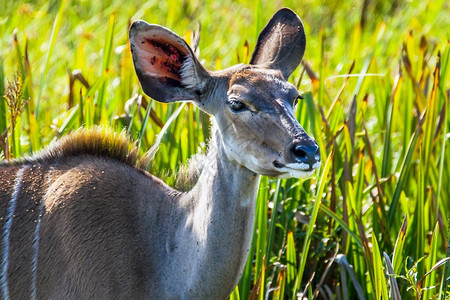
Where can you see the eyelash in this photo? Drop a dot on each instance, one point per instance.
(296, 100)
(236, 106)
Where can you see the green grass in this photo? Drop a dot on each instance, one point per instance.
(376, 91)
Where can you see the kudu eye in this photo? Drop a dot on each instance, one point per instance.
(298, 98)
(236, 106)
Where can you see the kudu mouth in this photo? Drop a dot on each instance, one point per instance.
(302, 158)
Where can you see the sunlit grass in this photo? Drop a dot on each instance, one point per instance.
(376, 86)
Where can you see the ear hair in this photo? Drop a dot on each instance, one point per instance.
(190, 79)
(165, 64)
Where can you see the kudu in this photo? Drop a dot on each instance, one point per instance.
(81, 221)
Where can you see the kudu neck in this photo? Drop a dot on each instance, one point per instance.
(216, 235)
(224, 175)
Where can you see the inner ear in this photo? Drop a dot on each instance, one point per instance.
(165, 65)
(281, 44)
(162, 58)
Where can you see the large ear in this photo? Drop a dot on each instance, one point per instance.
(165, 65)
(281, 44)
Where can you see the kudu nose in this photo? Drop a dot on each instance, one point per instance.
(306, 153)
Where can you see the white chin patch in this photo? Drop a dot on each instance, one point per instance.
(295, 173)
(297, 170)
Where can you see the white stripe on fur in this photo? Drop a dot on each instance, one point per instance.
(36, 250)
(7, 232)
(36, 246)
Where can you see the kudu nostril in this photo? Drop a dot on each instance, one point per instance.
(306, 153)
(300, 153)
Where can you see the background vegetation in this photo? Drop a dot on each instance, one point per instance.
(372, 223)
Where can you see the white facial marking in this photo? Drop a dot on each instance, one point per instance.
(295, 173)
(7, 232)
(298, 166)
(316, 165)
(283, 84)
(298, 170)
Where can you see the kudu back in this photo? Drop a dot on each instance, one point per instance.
(81, 221)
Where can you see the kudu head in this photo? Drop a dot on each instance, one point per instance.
(253, 105)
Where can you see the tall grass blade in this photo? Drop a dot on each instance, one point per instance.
(439, 193)
(104, 70)
(261, 231)
(395, 292)
(387, 152)
(144, 124)
(273, 218)
(321, 92)
(259, 23)
(69, 122)
(430, 122)
(431, 280)
(263, 280)
(437, 265)
(345, 266)
(19, 55)
(403, 171)
(319, 195)
(148, 156)
(3, 121)
(55, 30)
(341, 222)
(398, 256)
(235, 294)
(380, 282)
(291, 259)
(418, 222)
(281, 287)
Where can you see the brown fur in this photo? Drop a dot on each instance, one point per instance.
(84, 218)
(81, 219)
(76, 164)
